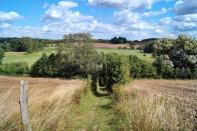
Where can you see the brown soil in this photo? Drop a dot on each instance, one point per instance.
(112, 46)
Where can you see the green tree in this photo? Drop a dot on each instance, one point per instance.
(115, 70)
(40, 68)
(2, 52)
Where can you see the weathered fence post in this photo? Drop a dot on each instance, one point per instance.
(24, 105)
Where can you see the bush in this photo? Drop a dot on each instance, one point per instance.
(140, 68)
(1, 55)
(176, 58)
(115, 70)
(20, 68)
(41, 67)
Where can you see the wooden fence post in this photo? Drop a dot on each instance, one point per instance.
(24, 105)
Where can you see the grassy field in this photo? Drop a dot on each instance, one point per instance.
(24, 57)
(143, 56)
(33, 57)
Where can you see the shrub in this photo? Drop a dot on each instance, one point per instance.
(20, 68)
(1, 55)
(140, 68)
(176, 58)
(115, 69)
(41, 67)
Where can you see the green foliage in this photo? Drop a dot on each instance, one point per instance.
(40, 68)
(115, 69)
(1, 55)
(77, 37)
(176, 58)
(164, 67)
(69, 62)
(118, 40)
(25, 44)
(14, 68)
(140, 68)
(149, 47)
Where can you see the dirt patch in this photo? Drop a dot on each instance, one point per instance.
(111, 46)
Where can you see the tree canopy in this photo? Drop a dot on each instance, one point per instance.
(118, 40)
(176, 56)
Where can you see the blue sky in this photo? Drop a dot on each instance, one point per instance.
(134, 19)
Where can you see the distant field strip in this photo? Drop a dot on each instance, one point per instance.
(141, 55)
(24, 57)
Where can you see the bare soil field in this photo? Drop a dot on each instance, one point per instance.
(49, 102)
(111, 46)
(182, 93)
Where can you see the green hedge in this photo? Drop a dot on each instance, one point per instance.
(20, 68)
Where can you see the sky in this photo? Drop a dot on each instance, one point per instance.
(104, 19)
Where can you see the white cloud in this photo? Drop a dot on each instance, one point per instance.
(4, 25)
(186, 18)
(166, 21)
(124, 4)
(62, 11)
(183, 7)
(131, 20)
(9, 16)
(155, 13)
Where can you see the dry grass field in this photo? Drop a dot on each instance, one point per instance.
(50, 101)
(181, 94)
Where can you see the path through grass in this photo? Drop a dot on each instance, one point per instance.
(95, 111)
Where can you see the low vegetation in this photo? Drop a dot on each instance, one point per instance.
(20, 68)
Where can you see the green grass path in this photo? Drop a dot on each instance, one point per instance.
(95, 111)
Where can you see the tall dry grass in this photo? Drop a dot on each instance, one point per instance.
(146, 113)
(50, 104)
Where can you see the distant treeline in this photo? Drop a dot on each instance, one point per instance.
(123, 40)
(24, 44)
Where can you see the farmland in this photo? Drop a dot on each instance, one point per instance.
(182, 94)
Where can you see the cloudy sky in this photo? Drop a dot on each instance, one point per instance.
(134, 19)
